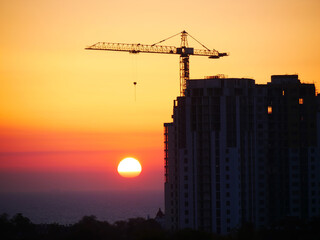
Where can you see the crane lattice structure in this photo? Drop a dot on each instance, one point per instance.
(184, 51)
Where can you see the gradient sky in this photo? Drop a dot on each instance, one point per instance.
(68, 116)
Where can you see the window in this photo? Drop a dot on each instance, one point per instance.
(269, 109)
(295, 193)
(300, 100)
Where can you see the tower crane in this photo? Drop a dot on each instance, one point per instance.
(184, 51)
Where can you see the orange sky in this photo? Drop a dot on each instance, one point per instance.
(57, 98)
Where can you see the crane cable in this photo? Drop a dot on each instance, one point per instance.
(166, 39)
(199, 42)
(135, 74)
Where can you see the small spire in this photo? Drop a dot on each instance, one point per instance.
(160, 214)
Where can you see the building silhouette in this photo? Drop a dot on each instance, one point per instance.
(240, 152)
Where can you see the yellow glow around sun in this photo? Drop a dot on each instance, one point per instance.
(129, 167)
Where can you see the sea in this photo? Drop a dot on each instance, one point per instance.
(69, 207)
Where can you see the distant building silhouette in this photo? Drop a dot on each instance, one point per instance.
(160, 218)
(241, 152)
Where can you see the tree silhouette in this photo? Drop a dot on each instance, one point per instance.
(22, 227)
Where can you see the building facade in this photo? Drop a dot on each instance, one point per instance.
(240, 152)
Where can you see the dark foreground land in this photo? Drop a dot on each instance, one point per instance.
(20, 227)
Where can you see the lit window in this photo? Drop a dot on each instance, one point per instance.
(269, 109)
(282, 92)
(300, 100)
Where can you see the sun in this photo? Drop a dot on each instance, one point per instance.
(129, 167)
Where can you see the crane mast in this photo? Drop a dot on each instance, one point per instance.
(184, 63)
(184, 51)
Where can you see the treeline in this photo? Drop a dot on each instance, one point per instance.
(21, 228)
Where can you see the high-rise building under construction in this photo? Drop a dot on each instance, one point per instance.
(241, 152)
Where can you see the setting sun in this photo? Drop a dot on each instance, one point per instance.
(129, 167)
